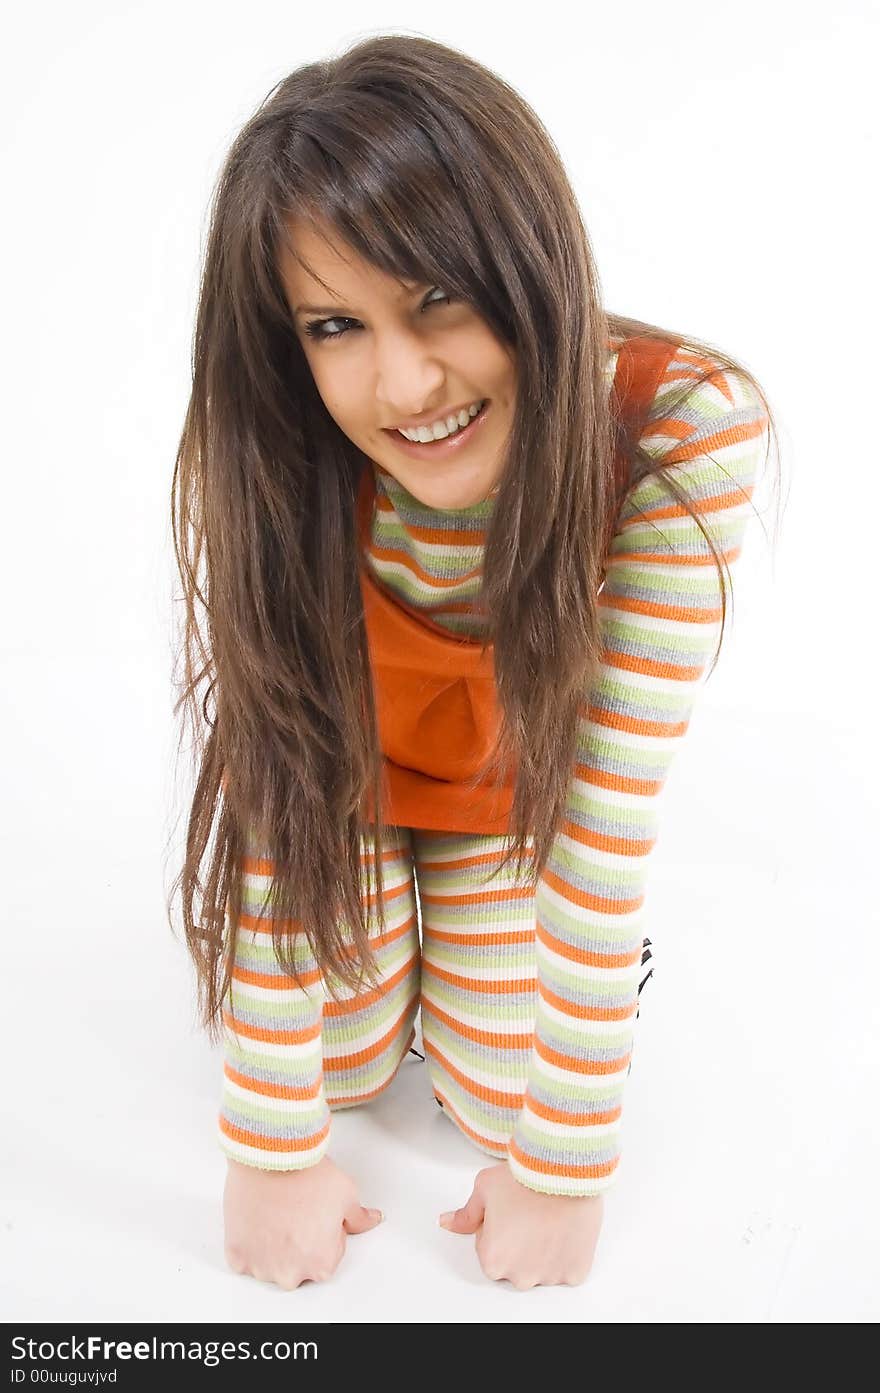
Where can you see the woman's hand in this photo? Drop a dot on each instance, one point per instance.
(529, 1239)
(290, 1227)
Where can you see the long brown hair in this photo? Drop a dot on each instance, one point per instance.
(429, 166)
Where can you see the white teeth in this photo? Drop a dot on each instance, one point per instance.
(440, 429)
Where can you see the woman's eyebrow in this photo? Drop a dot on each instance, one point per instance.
(317, 309)
(409, 289)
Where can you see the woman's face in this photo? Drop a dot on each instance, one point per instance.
(383, 356)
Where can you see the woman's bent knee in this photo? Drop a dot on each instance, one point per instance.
(360, 1075)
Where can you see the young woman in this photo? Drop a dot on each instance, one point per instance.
(453, 544)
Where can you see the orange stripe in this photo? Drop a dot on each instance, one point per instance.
(273, 1144)
(654, 609)
(272, 1037)
(274, 981)
(603, 841)
(398, 557)
(585, 899)
(588, 957)
(477, 940)
(680, 371)
(675, 558)
(738, 435)
(715, 503)
(571, 1119)
(350, 1099)
(286, 982)
(594, 1172)
(587, 1013)
(637, 725)
(590, 1068)
(522, 1041)
(501, 987)
(604, 778)
(649, 667)
(477, 1090)
(488, 897)
(334, 1064)
(436, 536)
(598, 903)
(298, 1092)
(458, 863)
(350, 1005)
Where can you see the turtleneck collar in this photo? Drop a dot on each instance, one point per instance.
(412, 512)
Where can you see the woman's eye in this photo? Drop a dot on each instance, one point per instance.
(316, 328)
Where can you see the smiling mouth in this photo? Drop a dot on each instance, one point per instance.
(442, 420)
(445, 443)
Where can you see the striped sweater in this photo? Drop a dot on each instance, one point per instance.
(554, 1109)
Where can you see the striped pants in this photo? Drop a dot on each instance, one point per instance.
(472, 975)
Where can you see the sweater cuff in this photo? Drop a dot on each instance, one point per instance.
(576, 1181)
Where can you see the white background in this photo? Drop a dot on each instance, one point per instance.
(725, 159)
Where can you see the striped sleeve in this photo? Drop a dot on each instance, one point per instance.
(660, 614)
(273, 1113)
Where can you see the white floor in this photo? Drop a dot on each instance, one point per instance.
(747, 1187)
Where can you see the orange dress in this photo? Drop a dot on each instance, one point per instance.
(436, 700)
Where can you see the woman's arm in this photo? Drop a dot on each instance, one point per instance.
(661, 610)
(273, 1112)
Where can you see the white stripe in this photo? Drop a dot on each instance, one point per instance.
(500, 1138)
(339, 1048)
(389, 566)
(482, 974)
(651, 623)
(564, 1130)
(313, 995)
(615, 798)
(598, 916)
(625, 739)
(391, 959)
(344, 1091)
(562, 1184)
(257, 1049)
(676, 526)
(660, 569)
(462, 846)
(572, 1077)
(523, 1024)
(552, 1013)
(269, 1104)
(582, 855)
(272, 1160)
(515, 1084)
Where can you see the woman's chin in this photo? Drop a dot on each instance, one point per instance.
(446, 498)
(443, 494)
